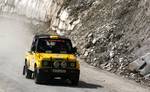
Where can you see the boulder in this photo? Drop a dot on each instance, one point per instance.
(135, 65)
(141, 65)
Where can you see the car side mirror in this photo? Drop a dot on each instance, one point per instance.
(33, 49)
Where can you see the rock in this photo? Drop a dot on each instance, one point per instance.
(64, 15)
(142, 64)
(94, 41)
(86, 53)
(96, 64)
(146, 58)
(111, 54)
(95, 59)
(108, 66)
(132, 75)
(90, 35)
(135, 65)
(91, 50)
(146, 69)
(88, 45)
(120, 60)
(103, 65)
(147, 77)
(61, 33)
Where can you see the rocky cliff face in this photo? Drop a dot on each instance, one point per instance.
(110, 34)
(42, 10)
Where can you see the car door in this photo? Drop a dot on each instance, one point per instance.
(33, 54)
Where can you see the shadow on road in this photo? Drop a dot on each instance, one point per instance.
(81, 84)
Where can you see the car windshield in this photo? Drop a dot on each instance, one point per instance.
(63, 46)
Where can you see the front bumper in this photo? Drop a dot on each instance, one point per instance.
(52, 72)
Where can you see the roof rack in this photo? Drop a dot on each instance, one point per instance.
(49, 36)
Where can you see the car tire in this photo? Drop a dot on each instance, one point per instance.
(37, 77)
(75, 81)
(24, 70)
(28, 74)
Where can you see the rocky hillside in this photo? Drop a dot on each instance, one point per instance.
(109, 34)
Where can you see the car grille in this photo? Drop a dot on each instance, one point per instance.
(58, 63)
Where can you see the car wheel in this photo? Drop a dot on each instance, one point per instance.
(24, 70)
(75, 81)
(28, 74)
(37, 77)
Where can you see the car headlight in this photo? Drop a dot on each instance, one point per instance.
(45, 63)
(63, 64)
(73, 64)
(56, 64)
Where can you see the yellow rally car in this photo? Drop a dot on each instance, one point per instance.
(51, 56)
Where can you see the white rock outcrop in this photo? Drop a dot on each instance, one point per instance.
(42, 10)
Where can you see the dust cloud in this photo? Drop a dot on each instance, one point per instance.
(14, 34)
